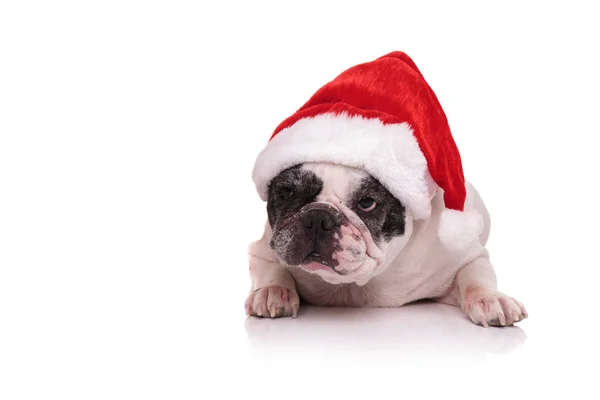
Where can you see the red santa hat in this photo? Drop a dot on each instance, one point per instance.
(383, 117)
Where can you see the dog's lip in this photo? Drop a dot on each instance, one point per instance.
(314, 256)
(314, 262)
(311, 265)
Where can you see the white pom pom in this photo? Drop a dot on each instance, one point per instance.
(459, 229)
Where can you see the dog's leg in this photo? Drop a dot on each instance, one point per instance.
(273, 293)
(474, 290)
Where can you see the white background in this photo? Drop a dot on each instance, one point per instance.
(128, 131)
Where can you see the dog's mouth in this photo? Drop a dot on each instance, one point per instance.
(315, 261)
(315, 256)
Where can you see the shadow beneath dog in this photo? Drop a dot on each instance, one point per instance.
(420, 329)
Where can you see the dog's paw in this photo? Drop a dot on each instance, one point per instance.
(274, 302)
(489, 307)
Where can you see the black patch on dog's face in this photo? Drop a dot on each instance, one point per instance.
(387, 220)
(302, 232)
(291, 190)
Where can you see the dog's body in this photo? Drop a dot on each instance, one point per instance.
(336, 237)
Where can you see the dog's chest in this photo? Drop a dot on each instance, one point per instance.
(395, 287)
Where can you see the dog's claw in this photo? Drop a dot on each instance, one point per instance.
(502, 319)
(484, 322)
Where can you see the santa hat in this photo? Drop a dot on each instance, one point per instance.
(383, 117)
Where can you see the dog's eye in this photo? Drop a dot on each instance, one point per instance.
(285, 192)
(367, 204)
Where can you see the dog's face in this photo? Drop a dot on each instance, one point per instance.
(337, 222)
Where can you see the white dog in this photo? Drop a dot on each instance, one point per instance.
(337, 237)
(367, 206)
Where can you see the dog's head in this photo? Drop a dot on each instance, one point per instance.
(335, 221)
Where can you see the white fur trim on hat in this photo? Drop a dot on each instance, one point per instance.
(457, 230)
(389, 152)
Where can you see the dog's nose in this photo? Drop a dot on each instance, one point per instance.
(319, 219)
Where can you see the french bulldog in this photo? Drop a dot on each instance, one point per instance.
(335, 236)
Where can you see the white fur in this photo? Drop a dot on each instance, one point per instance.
(410, 267)
(388, 152)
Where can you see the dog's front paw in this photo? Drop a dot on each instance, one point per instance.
(273, 301)
(489, 307)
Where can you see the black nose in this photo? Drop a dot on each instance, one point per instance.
(319, 219)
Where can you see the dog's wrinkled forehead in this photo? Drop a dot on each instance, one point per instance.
(339, 182)
(302, 184)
